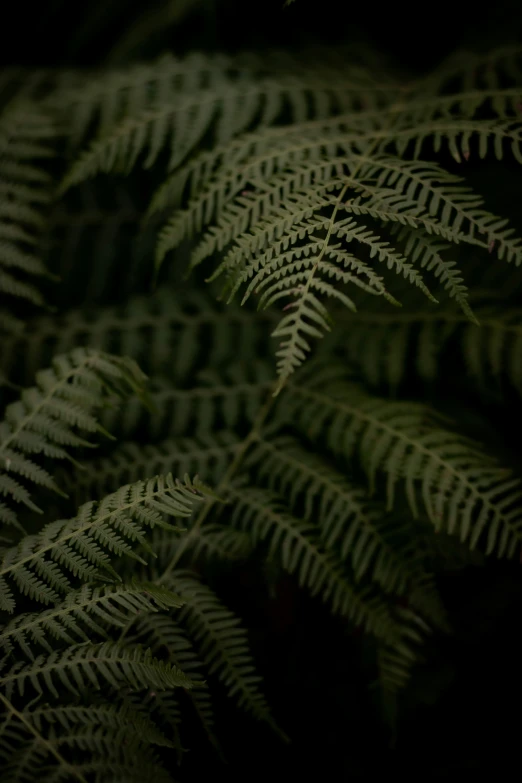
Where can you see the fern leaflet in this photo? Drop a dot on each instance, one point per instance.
(43, 565)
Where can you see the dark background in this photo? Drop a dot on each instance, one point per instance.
(461, 715)
(59, 33)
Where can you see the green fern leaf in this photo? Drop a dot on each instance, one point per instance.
(47, 417)
(462, 488)
(107, 717)
(221, 642)
(164, 634)
(27, 133)
(180, 101)
(84, 612)
(395, 664)
(42, 565)
(163, 333)
(95, 730)
(385, 346)
(83, 667)
(350, 524)
(297, 544)
(207, 457)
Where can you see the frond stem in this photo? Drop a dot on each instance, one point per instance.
(223, 484)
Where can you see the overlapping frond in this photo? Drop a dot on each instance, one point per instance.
(173, 104)
(27, 133)
(45, 565)
(83, 667)
(288, 206)
(52, 652)
(168, 333)
(83, 613)
(97, 731)
(462, 487)
(303, 548)
(167, 636)
(229, 397)
(297, 543)
(92, 246)
(221, 641)
(207, 457)
(377, 545)
(386, 346)
(47, 418)
(395, 663)
(289, 202)
(304, 184)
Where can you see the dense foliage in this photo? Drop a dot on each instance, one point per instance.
(261, 340)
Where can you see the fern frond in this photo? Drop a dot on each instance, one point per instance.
(165, 708)
(84, 612)
(47, 417)
(166, 636)
(430, 253)
(22, 746)
(395, 664)
(36, 760)
(84, 667)
(42, 565)
(462, 488)
(297, 543)
(302, 273)
(27, 133)
(221, 642)
(461, 138)
(219, 398)
(90, 239)
(303, 185)
(179, 102)
(255, 165)
(384, 346)
(163, 333)
(264, 194)
(94, 730)
(106, 717)
(278, 193)
(124, 93)
(501, 102)
(266, 243)
(348, 523)
(413, 186)
(206, 456)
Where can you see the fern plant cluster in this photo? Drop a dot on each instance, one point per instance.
(150, 440)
